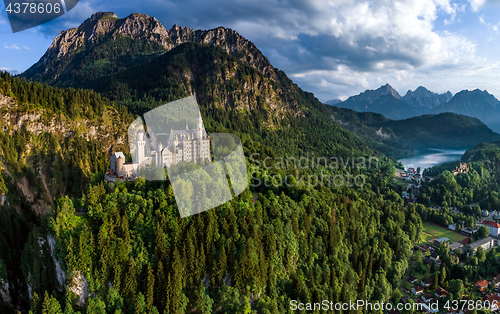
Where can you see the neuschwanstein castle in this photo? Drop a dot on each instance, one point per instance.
(171, 148)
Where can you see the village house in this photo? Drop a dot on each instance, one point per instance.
(468, 231)
(454, 246)
(486, 244)
(428, 248)
(435, 258)
(440, 292)
(412, 279)
(417, 290)
(441, 240)
(494, 302)
(428, 297)
(428, 261)
(493, 227)
(481, 285)
(495, 282)
(421, 249)
(427, 281)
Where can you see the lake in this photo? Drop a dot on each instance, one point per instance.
(431, 157)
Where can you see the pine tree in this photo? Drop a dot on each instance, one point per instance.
(175, 282)
(117, 277)
(150, 281)
(35, 304)
(70, 257)
(130, 284)
(161, 292)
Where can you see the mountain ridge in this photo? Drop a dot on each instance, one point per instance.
(102, 26)
(475, 103)
(384, 100)
(400, 137)
(387, 101)
(424, 97)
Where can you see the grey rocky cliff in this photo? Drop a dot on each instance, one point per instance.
(144, 27)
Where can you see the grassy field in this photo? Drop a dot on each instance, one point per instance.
(403, 182)
(426, 237)
(432, 232)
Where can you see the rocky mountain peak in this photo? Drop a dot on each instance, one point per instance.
(388, 89)
(94, 18)
(424, 97)
(105, 26)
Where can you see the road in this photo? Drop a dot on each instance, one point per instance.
(405, 279)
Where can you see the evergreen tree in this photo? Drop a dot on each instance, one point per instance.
(150, 287)
(130, 284)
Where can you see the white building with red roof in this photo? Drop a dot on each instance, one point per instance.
(493, 227)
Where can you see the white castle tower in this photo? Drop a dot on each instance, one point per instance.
(140, 147)
(199, 126)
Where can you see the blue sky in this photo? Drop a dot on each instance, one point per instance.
(332, 48)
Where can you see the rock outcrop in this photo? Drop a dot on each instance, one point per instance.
(79, 286)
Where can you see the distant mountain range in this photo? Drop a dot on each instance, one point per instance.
(387, 101)
(332, 102)
(401, 137)
(422, 97)
(476, 103)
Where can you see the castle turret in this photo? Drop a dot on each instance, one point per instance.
(119, 166)
(140, 145)
(159, 161)
(199, 126)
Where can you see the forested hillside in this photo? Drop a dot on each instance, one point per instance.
(126, 249)
(131, 251)
(54, 142)
(400, 137)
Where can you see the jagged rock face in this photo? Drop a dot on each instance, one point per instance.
(103, 25)
(424, 97)
(4, 291)
(79, 286)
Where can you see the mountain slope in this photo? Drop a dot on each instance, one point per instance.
(395, 137)
(53, 143)
(486, 152)
(476, 103)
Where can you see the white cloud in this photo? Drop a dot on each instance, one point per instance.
(477, 5)
(16, 47)
(13, 72)
(13, 46)
(342, 45)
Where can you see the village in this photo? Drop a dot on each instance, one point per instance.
(419, 284)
